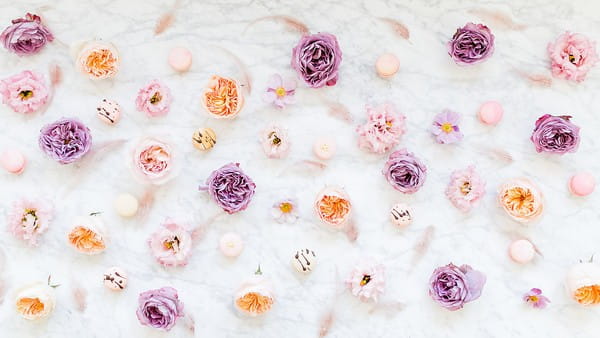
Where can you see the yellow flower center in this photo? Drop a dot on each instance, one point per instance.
(533, 298)
(465, 188)
(365, 280)
(280, 91)
(286, 207)
(388, 123)
(25, 94)
(156, 98)
(571, 58)
(447, 127)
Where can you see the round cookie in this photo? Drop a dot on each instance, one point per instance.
(109, 111)
(582, 184)
(521, 251)
(304, 260)
(126, 205)
(180, 59)
(13, 161)
(401, 215)
(387, 65)
(324, 148)
(490, 113)
(204, 138)
(231, 244)
(115, 279)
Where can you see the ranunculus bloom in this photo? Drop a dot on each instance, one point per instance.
(333, 207)
(25, 92)
(583, 283)
(87, 235)
(222, 98)
(555, 134)
(316, 59)
(159, 308)
(521, 200)
(466, 188)
(405, 172)
(367, 280)
(275, 141)
(255, 296)
(383, 129)
(452, 286)
(231, 189)
(35, 301)
(153, 161)
(28, 219)
(154, 99)
(572, 56)
(98, 60)
(171, 245)
(280, 92)
(471, 44)
(66, 140)
(26, 35)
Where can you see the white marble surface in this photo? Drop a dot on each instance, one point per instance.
(427, 83)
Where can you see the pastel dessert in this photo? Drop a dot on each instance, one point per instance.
(324, 148)
(109, 111)
(115, 279)
(387, 65)
(401, 215)
(13, 161)
(304, 260)
(231, 244)
(582, 184)
(126, 205)
(180, 59)
(490, 113)
(521, 251)
(204, 138)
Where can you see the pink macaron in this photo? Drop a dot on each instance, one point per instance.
(387, 65)
(13, 161)
(521, 251)
(582, 184)
(180, 59)
(324, 148)
(490, 112)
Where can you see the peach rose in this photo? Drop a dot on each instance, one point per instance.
(86, 236)
(583, 283)
(153, 161)
(222, 98)
(98, 60)
(333, 207)
(255, 296)
(521, 200)
(35, 301)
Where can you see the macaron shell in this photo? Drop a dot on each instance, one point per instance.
(126, 205)
(582, 184)
(521, 251)
(180, 59)
(324, 148)
(387, 65)
(490, 112)
(13, 161)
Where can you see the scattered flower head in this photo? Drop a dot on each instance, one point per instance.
(572, 56)
(26, 36)
(583, 283)
(367, 280)
(171, 245)
(280, 92)
(87, 235)
(222, 97)
(465, 189)
(471, 44)
(275, 141)
(159, 308)
(28, 219)
(285, 211)
(452, 286)
(445, 127)
(35, 301)
(153, 161)
(405, 172)
(521, 200)
(333, 207)
(230, 187)
(316, 59)
(255, 296)
(98, 60)
(154, 99)
(25, 92)
(66, 140)
(555, 134)
(535, 298)
(383, 129)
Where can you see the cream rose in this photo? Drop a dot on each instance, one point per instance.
(35, 301)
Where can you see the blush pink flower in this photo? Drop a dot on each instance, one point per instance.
(154, 99)
(171, 245)
(383, 129)
(466, 188)
(445, 127)
(280, 92)
(285, 211)
(275, 142)
(572, 56)
(28, 219)
(25, 92)
(536, 299)
(153, 161)
(367, 280)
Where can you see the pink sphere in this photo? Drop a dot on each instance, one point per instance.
(490, 112)
(387, 65)
(13, 161)
(521, 251)
(582, 184)
(180, 59)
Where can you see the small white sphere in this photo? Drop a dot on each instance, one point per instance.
(126, 205)
(231, 244)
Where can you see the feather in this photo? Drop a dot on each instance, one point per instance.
(389, 308)
(166, 20)
(247, 79)
(537, 79)
(339, 111)
(2, 281)
(189, 322)
(314, 164)
(79, 296)
(291, 23)
(498, 18)
(146, 203)
(422, 245)
(351, 231)
(499, 155)
(326, 323)
(397, 27)
(55, 75)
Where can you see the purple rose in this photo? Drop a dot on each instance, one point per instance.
(471, 44)
(159, 308)
(452, 286)
(555, 134)
(405, 172)
(65, 140)
(230, 188)
(26, 35)
(317, 58)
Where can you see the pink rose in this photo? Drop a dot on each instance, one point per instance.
(171, 245)
(25, 92)
(154, 99)
(383, 129)
(153, 161)
(275, 142)
(572, 56)
(28, 219)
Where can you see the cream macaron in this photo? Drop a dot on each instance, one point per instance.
(521, 251)
(13, 161)
(180, 59)
(387, 65)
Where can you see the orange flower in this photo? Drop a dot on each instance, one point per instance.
(255, 296)
(222, 97)
(35, 301)
(333, 207)
(588, 295)
(583, 283)
(98, 60)
(521, 200)
(86, 236)
(254, 302)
